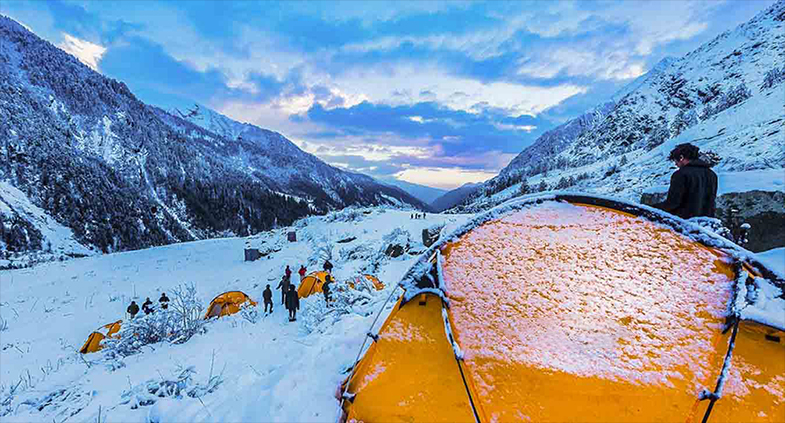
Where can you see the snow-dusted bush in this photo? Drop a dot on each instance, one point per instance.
(349, 214)
(180, 384)
(249, 312)
(62, 403)
(177, 324)
(344, 300)
(772, 78)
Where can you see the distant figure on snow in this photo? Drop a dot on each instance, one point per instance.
(328, 267)
(288, 273)
(284, 287)
(164, 300)
(292, 303)
(133, 309)
(693, 189)
(146, 306)
(326, 289)
(301, 272)
(267, 295)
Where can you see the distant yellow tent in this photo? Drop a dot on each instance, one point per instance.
(311, 284)
(571, 308)
(227, 303)
(369, 281)
(93, 342)
(377, 284)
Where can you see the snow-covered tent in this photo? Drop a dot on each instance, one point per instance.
(93, 342)
(312, 283)
(227, 303)
(369, 282)
(575, 308)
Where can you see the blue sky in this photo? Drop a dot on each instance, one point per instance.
(436, 93)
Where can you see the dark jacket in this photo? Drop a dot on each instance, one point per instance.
(693, 191)
(164, 300)
(292, 300)
(146, 307)
(267, 295)
(132, 309)
(328, 266)
(283, 284)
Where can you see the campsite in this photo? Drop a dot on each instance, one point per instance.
(406, 212)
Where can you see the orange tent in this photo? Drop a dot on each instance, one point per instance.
(312, 283)
(572, 308)
(93, 342)
(227, 303)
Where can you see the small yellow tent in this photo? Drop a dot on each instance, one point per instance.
(93, 342)
(573, 308)
(227, 303)
(377, 284)
(312, 283)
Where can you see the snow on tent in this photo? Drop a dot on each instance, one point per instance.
(311, 283)
(377, 284)
(370, 282)
(576, 308)
(227, 303)
(93, 342)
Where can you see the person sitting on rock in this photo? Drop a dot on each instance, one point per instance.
(693, 189)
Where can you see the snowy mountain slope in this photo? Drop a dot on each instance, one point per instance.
(268, 367)
(423, 193)
(696, 98)
(454, 197)
(124, 175)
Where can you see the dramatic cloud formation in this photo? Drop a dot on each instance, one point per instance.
(440, 93)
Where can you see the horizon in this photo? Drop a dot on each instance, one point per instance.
(433, 93)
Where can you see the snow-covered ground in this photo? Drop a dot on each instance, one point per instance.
(272, 370)
(774, 258)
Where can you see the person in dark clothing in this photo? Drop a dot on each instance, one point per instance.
(146, 306)
(284, 287)
(133, 309)
(288, 272)
(301, 272)
(326, 288)
(328, 267)
(164, 300)
(292, 303)
(693, 189)
(267, 295)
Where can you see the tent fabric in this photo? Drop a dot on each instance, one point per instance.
(311, 283)
(93, 342)
(227, 303)
(426, 385)
(377, 284)
(575, 311)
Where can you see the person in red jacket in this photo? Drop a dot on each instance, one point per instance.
(301, 272)
(288, 273)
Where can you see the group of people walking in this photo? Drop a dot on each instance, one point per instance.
(290, 298)
(147, 306)
(417, 216)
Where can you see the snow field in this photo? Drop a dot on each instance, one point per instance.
(272, 370)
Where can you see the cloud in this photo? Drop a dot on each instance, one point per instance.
(88, 53)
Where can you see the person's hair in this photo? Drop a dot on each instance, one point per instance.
(689, 151)
(268, 285)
